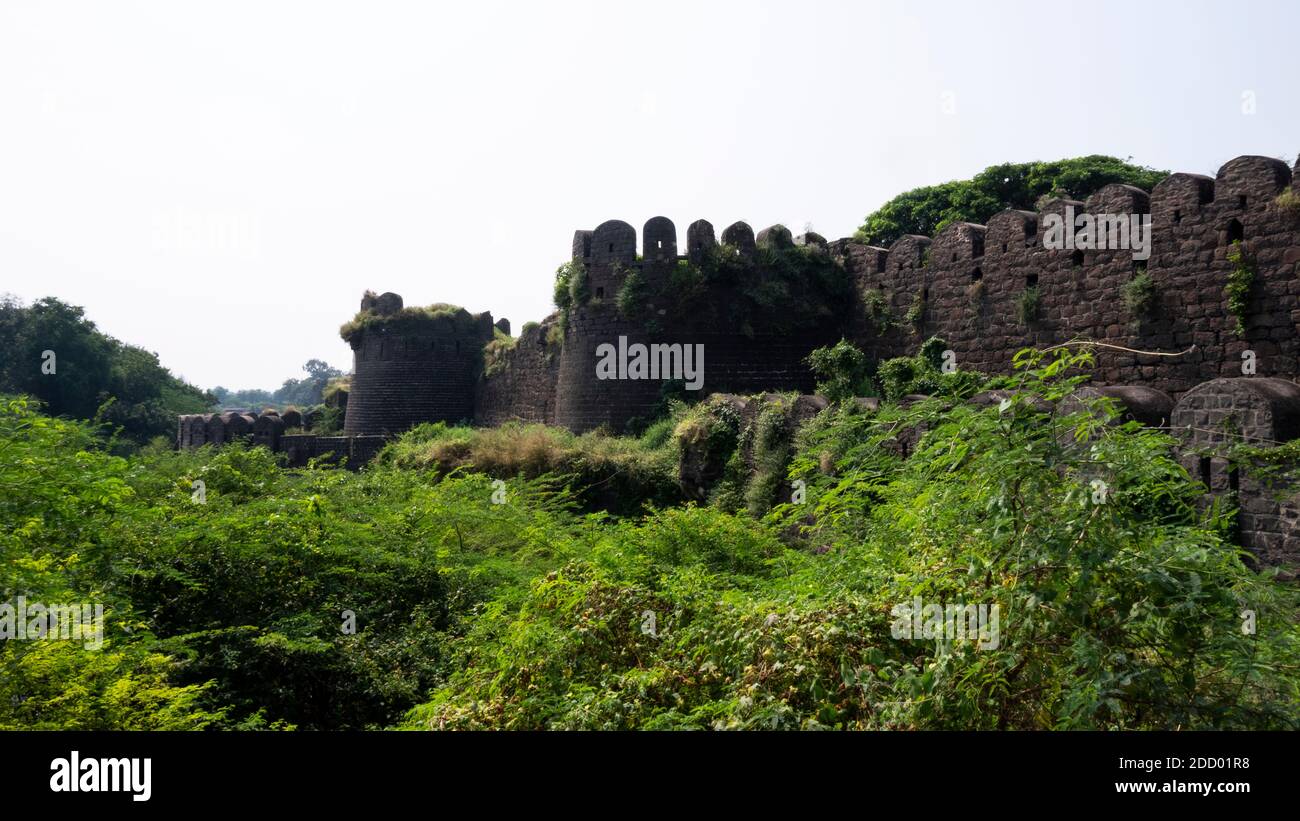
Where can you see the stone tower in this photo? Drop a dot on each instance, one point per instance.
(412, 365)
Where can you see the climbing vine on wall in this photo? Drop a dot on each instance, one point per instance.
(1240, 282)
(916, 312)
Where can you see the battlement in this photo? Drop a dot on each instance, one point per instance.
(987, 290)
(1244, 190)
(609, 252)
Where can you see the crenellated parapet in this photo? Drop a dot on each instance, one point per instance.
(733, 299)
(990, 290)
(1176, 350)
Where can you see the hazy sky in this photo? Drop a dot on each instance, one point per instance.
(220, 182)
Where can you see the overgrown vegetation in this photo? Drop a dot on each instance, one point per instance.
(777, 290)
(1140, 294)
(1027, 305)
(496, 353)
(842, 371)
(923, 374)
(876, 306)
(483, 598)
(49, 350)
(1289, 202)
(929, 209)
(1119, 614)
(411, 320)
(603, 472)
(634, 296)
(1241, 280)
(915, 317)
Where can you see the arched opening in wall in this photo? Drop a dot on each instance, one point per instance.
(1029, 233)
(600, 293)
(976, 275)
(1031, 280)
(1076, 259)
(1178, 216)
(1241, 200)
(954, 257)
(611, 247)
(880, 263)
(1234, 232)
(1004, 247)
(1205, 471)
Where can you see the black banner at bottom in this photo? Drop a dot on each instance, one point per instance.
(142, 772)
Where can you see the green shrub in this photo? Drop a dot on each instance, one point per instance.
(915, 316)
(1027, 306)
(923, 374)
(876, 305)
(497, 352)
(929, 209)
(1116, 615)
(1288, 202)
(633, 296)
(1241, 281)
(1140, 294)
(842, 371)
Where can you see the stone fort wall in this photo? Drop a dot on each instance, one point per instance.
(964, 285)
(970, 279)
(407, 371)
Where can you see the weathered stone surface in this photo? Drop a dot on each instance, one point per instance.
(965, 285)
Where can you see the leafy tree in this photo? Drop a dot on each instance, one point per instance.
(929, 209)
(90, 370)
(300, 392)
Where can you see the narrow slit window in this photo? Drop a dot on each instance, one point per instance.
(1235, 232)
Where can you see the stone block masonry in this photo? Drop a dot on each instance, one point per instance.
(987, 290)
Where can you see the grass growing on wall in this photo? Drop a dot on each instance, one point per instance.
(440, 315)
(1140, 294)
(1027, 306)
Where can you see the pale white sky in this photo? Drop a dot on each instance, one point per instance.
(219, 182)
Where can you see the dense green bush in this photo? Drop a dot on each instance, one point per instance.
(928, 210)
(842, 371)
(95, 375)
(923, 374)
(1119, 612)
(603, 472)
(483, 600)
